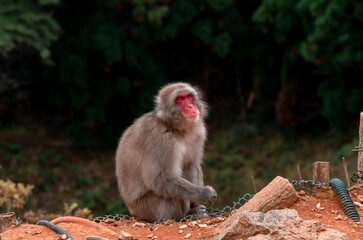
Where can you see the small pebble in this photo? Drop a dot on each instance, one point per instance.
(109, 220)
(168, 222)
(95, 238)
(138, 224)
(202, 225)
(181, 231)
(188, 235)
(125, 236)
(218, 219)
(183, 226)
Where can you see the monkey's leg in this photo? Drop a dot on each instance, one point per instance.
(194, 174)
(152, 208)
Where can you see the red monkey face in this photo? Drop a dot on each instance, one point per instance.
(186, 102)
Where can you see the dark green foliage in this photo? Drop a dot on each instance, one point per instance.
(294, 62)
(332, 30)
(25, 22)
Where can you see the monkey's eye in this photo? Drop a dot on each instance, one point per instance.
(190, 96)
(179, 99)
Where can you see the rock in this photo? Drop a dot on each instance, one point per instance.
(275, 225)
(218, 219)
(138, 224)
(168, 222)
(183, 226)
(95, 238)
(202, 225)
(125, 236)
(188, 235)
(109, 221)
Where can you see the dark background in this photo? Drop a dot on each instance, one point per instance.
(283, 79)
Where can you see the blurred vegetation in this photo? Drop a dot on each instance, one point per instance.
(82, 182)
(13, 195)
(282, 78)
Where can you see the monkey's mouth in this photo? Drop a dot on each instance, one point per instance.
(191, 115)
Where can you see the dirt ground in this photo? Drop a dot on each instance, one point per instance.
(325, 208)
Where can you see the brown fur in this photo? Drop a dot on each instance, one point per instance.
(159, 158)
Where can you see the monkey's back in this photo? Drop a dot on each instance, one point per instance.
(138, 147)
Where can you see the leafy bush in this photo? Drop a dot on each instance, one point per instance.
(289, 61)
(27, 23)
(73, 209)
(13, 195)
(324, 33)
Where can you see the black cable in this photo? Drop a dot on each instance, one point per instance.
(54, 227)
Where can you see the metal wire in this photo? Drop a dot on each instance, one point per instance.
(116, 217)
(308, 185)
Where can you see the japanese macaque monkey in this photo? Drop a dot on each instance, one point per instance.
(159, 157)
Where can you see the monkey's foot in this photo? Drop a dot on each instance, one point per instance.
(198, 212)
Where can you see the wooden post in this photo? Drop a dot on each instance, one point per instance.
(321, 172)
(254, 184)
(360, 153)
(346, 172)
(299, 172)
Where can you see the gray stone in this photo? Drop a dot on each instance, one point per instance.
(276, 225)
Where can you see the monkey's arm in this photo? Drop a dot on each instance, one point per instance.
(176, 186)
(164, 177)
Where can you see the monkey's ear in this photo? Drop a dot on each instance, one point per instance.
(159, 107)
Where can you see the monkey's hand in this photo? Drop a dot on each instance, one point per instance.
(208, 195)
